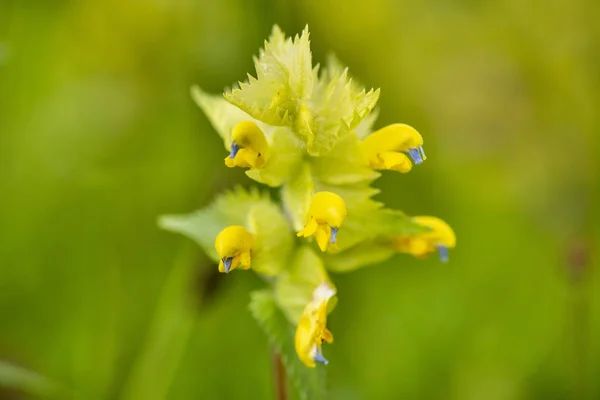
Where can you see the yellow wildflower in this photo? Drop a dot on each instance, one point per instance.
(440, 238)
(385, 148)
(249, 147)
(312, 329)
(234, 246)
(325, 215)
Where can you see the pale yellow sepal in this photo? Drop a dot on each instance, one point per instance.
(325, 216)
(249, 146)
(312, 329)
(234, 247)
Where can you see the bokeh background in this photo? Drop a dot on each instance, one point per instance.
(99, 136)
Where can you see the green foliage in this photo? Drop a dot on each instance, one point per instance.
(310, 383)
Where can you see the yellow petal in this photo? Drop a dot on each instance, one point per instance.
(394, 161)
(395, 137)
(309, 229)
(441, 232)
(323, 236)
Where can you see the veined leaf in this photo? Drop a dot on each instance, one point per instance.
(251, 209)
(310, 382)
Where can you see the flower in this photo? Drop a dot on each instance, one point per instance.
(312, 330)
(325, 215)
(249, 147)
(318, 122)
(440, 238)
(385, 148)
(234, 246)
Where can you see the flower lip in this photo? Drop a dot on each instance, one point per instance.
(234, 149)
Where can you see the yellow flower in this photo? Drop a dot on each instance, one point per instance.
(249, 147)
(312, 329)
(440, 238)
(325, 215)
(385, 148)
(234, 246)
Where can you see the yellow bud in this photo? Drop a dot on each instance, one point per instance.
(326, 214)
(439, 238)
(384, 148)
(249, 147)
(312, 329)
(234, 247)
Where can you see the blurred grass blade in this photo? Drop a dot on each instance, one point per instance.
(153, 372)
(29, 382)
(310, 382)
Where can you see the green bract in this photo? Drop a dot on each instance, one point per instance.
(314, 123)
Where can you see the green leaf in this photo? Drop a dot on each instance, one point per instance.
(310, 382)
(222, 115)
(30, 382)
(284, 77)
(295, 285)
(297, 194)
(363, 254)
(251, 209)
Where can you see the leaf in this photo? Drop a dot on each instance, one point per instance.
(297, 195)
(251, 209)
(284, 77)
(30, 382)
(310, 382)
(222, 115)
(167, 336)
(295, 285)
(364, 254)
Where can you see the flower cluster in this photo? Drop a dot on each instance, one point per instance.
(309, 133)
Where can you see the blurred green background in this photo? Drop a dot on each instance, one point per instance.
(99, 136)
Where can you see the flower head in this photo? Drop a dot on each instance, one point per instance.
(385, 148)
(249, 147)
(439, 238)
(234, 246)
(325, 215)
(312, 329)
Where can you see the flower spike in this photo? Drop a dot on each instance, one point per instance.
(249, 147)
(234, 246)
(440, 238)
(325, 215)
(385, 148)
(312, 329)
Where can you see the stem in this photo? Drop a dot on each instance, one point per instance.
(279, 377)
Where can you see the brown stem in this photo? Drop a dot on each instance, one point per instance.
(279, 377)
